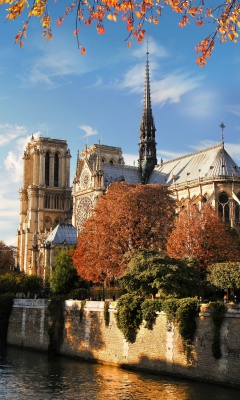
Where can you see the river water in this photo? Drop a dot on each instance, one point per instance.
(26, 375)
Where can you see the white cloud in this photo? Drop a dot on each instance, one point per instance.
(173, 86)
(11, 171)
(168, 155)
(154, 48)
(234, 109)
(202, 103)
(10, 132)
(168, 89)
(89, 131)
(130, 159)
(54, 65)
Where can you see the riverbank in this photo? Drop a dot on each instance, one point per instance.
(85, 334)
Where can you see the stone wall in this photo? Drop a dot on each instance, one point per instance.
(158, 350)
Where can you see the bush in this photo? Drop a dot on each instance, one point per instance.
(129, 315)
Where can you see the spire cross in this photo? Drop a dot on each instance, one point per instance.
(222, 126)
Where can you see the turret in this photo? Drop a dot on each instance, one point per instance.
(147, 145)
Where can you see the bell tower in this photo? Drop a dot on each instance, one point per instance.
(45, 198)
(147, 145)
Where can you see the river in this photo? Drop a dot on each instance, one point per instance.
(26, 375)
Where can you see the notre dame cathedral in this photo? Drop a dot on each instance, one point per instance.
(52, 212)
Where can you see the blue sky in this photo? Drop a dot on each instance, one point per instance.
(49, 88)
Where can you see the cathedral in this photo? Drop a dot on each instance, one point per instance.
(52, 212)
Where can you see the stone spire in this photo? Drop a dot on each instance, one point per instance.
(147, 145)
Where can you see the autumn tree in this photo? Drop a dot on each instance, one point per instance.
(127, 217)
(7, 261)
(201, 235)
(150, 272)
(224, 17)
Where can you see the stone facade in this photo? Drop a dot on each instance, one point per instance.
(45, 198)
(158, 350)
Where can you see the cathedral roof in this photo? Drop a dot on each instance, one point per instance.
(63, 233)
(209, 163)
(116, 173)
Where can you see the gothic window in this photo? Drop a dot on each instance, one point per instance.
(56, 169)
(223, 207)
(111, 162)
(56, 222)
(237, 209)
(47, 201)
(47, 224)
(47, 168)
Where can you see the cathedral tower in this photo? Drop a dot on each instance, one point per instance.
(147, 145)
(45, 198)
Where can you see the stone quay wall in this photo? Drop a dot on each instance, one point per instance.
(85, 335)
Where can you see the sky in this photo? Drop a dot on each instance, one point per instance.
(53, 90)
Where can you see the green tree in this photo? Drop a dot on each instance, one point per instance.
(64, 276)
(224, 276)
(9, 283)
(31, 284)
(149, 273)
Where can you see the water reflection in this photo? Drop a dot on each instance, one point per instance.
(28, 375)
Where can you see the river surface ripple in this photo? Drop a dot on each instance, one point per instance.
(26, 375)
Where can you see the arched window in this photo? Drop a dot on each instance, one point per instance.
(111, 162)
(56, 222)
(223, 207)
(47, 224)
(47, 168)
(237, 209)
(56, 169)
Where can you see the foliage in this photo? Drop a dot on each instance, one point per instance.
(21, 283)
(149, 309)
(129, 315)
(142, 219)
(218, 312)
(187, 312)
(56, 323)
(64, 276)
(78, 294)
(224, 275)
(201, 235)
(149, 273)
(106, 313)
(8, 283)
(225, 16)
(6, 303)
(32, 284)
(7, 261)
(133, 309)
(169, 306)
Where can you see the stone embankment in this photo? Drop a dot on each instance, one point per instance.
(86, 335)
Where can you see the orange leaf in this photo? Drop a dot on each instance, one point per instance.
(83, 50)
(76, 32)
